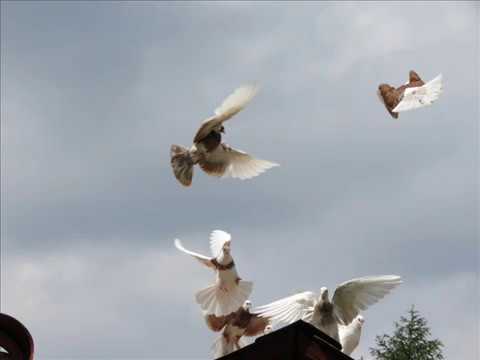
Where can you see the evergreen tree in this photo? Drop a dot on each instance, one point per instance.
(410, 341)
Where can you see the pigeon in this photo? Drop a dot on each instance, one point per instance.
(348, 299)
(234, 327)
(210, 153)
(350, 334)
(412, 95)
(229, 292)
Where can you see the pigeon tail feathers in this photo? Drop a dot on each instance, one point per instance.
(214, 300)
(221, 347)
(182, 164)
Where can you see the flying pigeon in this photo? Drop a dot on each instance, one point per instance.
(229, 292)
(350, 334)
(348, 300)
(208, 151)
(412, 95)
(234, 327)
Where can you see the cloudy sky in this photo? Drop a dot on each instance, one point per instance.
(93, 95)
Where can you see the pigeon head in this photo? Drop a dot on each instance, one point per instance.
(268, 329)
(247, 305)
(219, 129)
(360, 320)
(324, 294)
(226, 248)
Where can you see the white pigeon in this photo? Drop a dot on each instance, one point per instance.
(229, 292)
(235, 327)
(417, 97)
(349, 299)
(208, 151)
(350, 334)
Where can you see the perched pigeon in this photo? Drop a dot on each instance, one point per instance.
(208, 151)
(350, 334)
(348, 300)
(235, 327)
(229, 292)
(412, 95)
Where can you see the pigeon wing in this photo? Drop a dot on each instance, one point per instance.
(289, 309)
(256, 325)
(225, 161)
(216, 323)
(202, 258)
(417, 97)
(233, 104)
(356, 295)
(218, 238)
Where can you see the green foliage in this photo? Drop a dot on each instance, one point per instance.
(410, 341)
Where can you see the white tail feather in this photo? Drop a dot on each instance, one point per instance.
(221, 347)
(215, 301)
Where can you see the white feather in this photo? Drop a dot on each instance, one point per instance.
(289, 309)
(350, 335)
(218, 238)
(202, 258)
(357, 295)
(215, 301)
(229, 107)
(417, 97)
(221, 347)
(236, 101)
(237, 164)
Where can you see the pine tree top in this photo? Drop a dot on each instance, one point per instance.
(410, 341)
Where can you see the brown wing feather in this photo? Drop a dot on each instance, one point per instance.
(216, 323)
(256, 326)
(206, 128)
(211, 168)
(390, 98)
(414, 78)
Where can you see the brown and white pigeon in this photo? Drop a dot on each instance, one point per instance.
(234, 327)
(412, 95)
(229, 292)
(208, 151)
(350, 334)
(348, 300)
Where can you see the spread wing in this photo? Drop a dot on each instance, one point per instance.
(356, 295)
(417, 97)
(256, 325)
(218, 238)
(216, 323)
(289, 309)
(234, 103)
(225, 161)
(202, 258)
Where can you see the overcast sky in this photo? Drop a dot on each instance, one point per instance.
(93, 95)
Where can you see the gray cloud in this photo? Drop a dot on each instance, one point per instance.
(93, 94)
